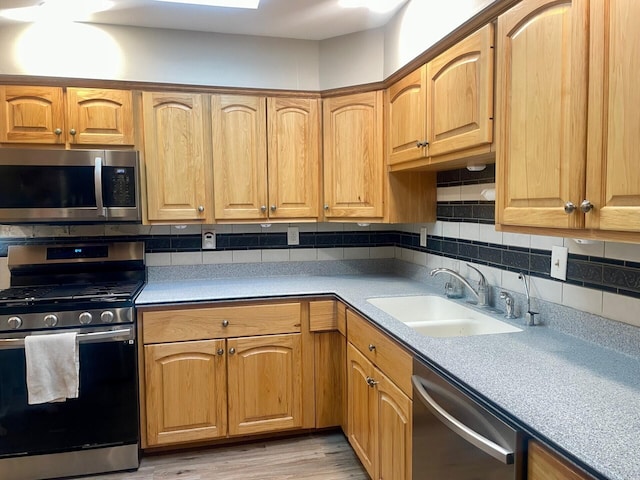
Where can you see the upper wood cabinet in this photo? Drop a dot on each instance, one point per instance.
(567, 155)
(266, 154)
(541, 135)
(353, 156)
(177, 158)
(81, 116)
(443, 111)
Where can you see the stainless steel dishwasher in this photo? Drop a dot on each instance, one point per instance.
(456, 438)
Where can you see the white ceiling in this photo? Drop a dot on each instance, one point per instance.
(301, 19)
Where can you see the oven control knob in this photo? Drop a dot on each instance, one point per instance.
(50, 320)
(14, 322)
(85, 317)
(106, 316)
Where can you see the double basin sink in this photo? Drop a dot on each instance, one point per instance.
(435, 316)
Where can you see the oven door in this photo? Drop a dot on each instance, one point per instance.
(104, 414)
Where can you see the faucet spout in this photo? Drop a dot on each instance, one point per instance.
(481, 295)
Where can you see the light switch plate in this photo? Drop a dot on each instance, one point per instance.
(293, 236)
(209, 240)
(559, 257)
(423, 236)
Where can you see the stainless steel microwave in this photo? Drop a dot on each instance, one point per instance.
(69, 186)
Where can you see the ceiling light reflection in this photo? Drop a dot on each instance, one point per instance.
(58, 10)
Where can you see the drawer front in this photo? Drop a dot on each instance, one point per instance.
(220, 322)
(394, 361)
(322, 315)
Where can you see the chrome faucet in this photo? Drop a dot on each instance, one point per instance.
(529, 316)
(481, 295)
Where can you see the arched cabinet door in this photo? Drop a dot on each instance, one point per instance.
(32, 115)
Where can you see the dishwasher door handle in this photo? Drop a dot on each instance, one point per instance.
(487, 446)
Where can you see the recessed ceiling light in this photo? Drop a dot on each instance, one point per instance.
(253, 4)
(56, 10)
(377, 6)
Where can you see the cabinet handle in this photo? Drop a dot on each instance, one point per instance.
(58, 131)
(232, 351)
(273, 208)
(569, 208)
(73, 131)
(422, 144)
(586, 206)
(326, 206)
(371, 382)
(201, 208)
(220, 351)
(225, 323)
(263, 208)
(372, 347)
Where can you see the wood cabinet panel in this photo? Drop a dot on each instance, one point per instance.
(100, 117)
(377, 347)
(293, 157)
(406, 104)
(265, 383)
(239, 156)
(322, 315)
(460, 95)
(353, 156)
(32, 115)
(203, 323)
(330, 379)
(541, 135)
(177, 163)
(543, 464)
(185, 392)
(613, 176)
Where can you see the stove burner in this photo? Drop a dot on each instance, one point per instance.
(108, 292)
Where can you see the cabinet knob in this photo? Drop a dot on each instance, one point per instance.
(273, 208)
(326, 206)
(220, 351)
(73, 131)
(58, 131)
(263, 208)
(422, 144)
(569, 208)
(201, 208)
(225, 323)
(372, 347)
(232, 351)
(586, 206)
(371, 382)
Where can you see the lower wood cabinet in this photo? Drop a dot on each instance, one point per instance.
(544, 464)
(197, 390)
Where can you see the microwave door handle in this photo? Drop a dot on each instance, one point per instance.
(491, 448)
(97, 180)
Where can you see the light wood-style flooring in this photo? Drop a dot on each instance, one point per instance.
(326, 456)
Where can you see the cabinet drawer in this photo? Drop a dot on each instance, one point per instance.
(220, 322)
(322, 315)
(387, 355)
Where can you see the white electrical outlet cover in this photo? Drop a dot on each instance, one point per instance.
(559, 256)
(293, 236)
(209, 240)
(423, 236)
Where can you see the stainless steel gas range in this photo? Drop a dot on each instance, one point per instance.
(88, 289)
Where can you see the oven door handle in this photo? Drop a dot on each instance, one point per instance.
(487, 446)
(82, 337)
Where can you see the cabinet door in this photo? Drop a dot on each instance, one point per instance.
(613, 176)
(239, 157)
(32, 115)
(460, 95)
(177, 167)
(353, 159)
(406, 103)
(394, 430)
(541, 136)
(185, 386)
(265, 383)
(362, 423)
(100, 117)
(543, 464)
(294, 157)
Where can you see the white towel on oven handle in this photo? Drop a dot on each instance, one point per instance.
(53, 367)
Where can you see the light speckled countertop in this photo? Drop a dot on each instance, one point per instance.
(575, 394)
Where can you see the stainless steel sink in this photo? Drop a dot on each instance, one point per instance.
(436, 316)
